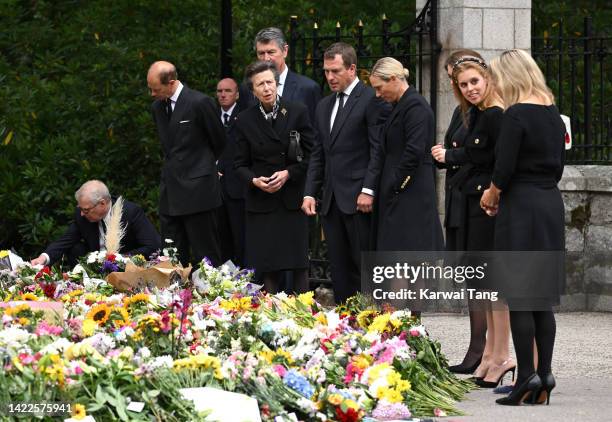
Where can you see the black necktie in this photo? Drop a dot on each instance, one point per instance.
(340, 101)
(225, 119)
(169, 108)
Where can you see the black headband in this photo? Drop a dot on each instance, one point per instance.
(465, 59)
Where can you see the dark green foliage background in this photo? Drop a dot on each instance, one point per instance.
(74, 104)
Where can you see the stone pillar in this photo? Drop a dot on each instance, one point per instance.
(487, 26)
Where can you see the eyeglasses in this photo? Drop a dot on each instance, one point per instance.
(86, 211)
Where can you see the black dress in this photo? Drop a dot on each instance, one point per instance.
(407, 217)
(530, 157)
(276, 228)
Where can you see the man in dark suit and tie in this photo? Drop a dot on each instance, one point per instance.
(343, 165)
(87, 232)
(192, 139)
(270, 45)
(231, 213)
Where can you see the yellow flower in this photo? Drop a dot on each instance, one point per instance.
(321, 318)
(139, 298)
(14, 310)
(335, 399)
(119, 311)
(307, 298)
(352, 404)
(78, 411)
(4, 253)
(364, 319)
(380, 323)
(23, 321)
(89, 326)
(99, 313)
(403, 385)
(392, 395)
(29, 296)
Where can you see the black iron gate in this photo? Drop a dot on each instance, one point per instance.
(415, 46)
(575, 68)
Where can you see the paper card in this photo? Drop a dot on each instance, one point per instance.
(136, 406)
(134, 276)
(224, 405)
(87, 418)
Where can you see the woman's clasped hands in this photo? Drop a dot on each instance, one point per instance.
(273, 183)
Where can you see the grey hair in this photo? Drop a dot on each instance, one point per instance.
(94, 190)
(267, 35)
(258, 67)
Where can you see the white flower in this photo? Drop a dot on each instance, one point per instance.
(13, 337)
(92, 257)
(168, 240)
(57, 346)
(161, 361)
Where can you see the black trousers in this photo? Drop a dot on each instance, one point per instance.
(195, 235)
(347, 236)
(231, 216)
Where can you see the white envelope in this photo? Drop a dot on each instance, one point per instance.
(225, 405)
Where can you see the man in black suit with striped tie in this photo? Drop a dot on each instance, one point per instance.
(192, 139)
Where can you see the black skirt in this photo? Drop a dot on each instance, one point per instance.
(531, 218)
(277, 240)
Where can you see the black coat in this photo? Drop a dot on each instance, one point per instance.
(140, 235)
(262, 150)
(477, 229)
(454, 158)
(342, 161)
(406, 204)
(231, 183)
(191, 143)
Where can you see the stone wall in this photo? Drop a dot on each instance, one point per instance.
(587, 194)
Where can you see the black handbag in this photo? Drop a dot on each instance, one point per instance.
(294, 152)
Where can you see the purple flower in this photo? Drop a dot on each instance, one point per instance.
(386, 411)
(110, 266)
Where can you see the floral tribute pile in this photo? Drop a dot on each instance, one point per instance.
(300, 361)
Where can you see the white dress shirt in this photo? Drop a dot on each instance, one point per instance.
(281, 81)
(228, 112)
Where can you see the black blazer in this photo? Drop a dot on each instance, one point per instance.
(298, 89)
(231, 183)
(191, 143)
(342, 161)
(262, 150)
(140, 235)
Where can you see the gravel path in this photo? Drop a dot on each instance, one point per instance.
(582, 365)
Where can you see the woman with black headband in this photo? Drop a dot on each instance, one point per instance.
(473, 87)
(454, 159)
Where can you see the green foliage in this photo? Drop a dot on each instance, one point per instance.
(76, 105)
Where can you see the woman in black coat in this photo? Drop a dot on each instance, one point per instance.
(454, 157)
(407, 217)
(530, 215)
(276, 229)
(473, 87)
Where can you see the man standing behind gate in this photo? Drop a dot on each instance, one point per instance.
(342, 163)
(192, 139)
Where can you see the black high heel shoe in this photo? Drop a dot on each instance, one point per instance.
(464, 369)
(543, 395)
(527, 389)
(492, 384)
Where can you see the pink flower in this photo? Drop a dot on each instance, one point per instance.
(44, 329)
(439, 412)
(26, 358)
(414, 332)
(280, 370)
(78, 370)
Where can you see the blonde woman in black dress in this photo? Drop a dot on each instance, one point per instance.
(530, 213)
